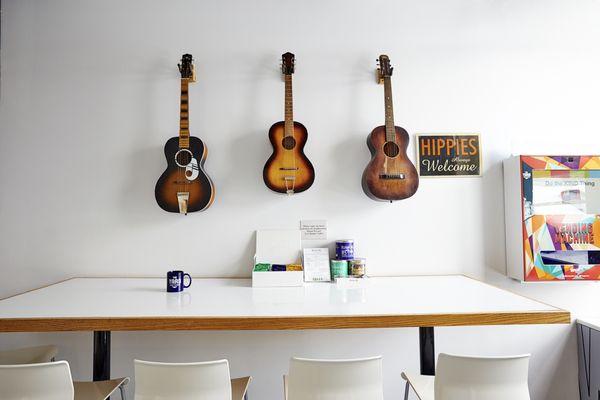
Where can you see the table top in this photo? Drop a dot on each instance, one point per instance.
(86, 304)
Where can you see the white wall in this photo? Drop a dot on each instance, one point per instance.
(90, 94)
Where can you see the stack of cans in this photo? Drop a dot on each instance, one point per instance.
(345, 264)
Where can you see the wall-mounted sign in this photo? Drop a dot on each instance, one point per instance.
(314, 229)
(448, 155)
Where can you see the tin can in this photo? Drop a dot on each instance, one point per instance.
(344, 249)
(339, 269)
(357, 267)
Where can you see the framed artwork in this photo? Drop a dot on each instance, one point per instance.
(552, 206)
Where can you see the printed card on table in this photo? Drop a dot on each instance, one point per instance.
(316, 265)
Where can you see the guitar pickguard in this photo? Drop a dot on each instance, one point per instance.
(192, 170)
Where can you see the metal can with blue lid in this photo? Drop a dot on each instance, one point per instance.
(344, 249)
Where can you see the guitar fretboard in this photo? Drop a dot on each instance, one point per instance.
(184, 123)
(390, 131)
(289, 106)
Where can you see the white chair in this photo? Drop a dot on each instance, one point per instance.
(51, 381)
(473, 378)
(28, 355)
(187, 381)
(358, 379)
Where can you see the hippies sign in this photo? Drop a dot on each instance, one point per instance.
(449, 155)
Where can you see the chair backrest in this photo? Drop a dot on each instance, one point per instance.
(359, 379)
(482, 378)
(43, 381)
(187, 381)
(28, 355)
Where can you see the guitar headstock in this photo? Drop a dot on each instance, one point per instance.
(186, 68)
(288, 62)
(384, 68)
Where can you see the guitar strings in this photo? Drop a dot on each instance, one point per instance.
(292, 129)
(189, 147)
(292, 133)
(178, 184)
(181, 180)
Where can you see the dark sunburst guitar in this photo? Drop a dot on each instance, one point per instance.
(184, 186)
(390, 175)
(288, 170)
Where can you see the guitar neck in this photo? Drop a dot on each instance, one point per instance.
(390, 130)
(289, 106)
(184, 122)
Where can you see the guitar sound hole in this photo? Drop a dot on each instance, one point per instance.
(183, 157)
(391, 149)
(288, 142)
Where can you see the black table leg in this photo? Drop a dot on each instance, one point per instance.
(101, 355)
(427, 350)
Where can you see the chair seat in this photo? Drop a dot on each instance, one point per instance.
(239, 387)
(423, 385)
(99, 390)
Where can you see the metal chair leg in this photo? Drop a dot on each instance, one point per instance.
(246, 396)
(406, 390)
(122, 389)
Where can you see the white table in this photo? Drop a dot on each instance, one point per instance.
(103, 305)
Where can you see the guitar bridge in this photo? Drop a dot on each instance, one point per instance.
(289, 180)
(182, 199)
(289, 169)
(391, 176)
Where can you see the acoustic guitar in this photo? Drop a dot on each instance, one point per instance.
(390, 175)
(288, 170)
(184, 187)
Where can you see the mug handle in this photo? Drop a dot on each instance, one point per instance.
(189, 284)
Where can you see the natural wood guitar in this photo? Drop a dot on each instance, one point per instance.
(288, 170)
(390, 175)
(184, 186)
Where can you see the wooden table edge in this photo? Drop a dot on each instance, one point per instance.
(280, 323)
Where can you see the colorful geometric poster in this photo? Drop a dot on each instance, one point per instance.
(561, 211)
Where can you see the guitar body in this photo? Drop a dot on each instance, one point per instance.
(390, 176)
(176, 180)
(288, 168)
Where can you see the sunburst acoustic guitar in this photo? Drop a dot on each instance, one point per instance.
(288, 170)
(184, 186)
(390, 175)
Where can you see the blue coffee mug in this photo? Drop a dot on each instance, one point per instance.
(175, 281)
